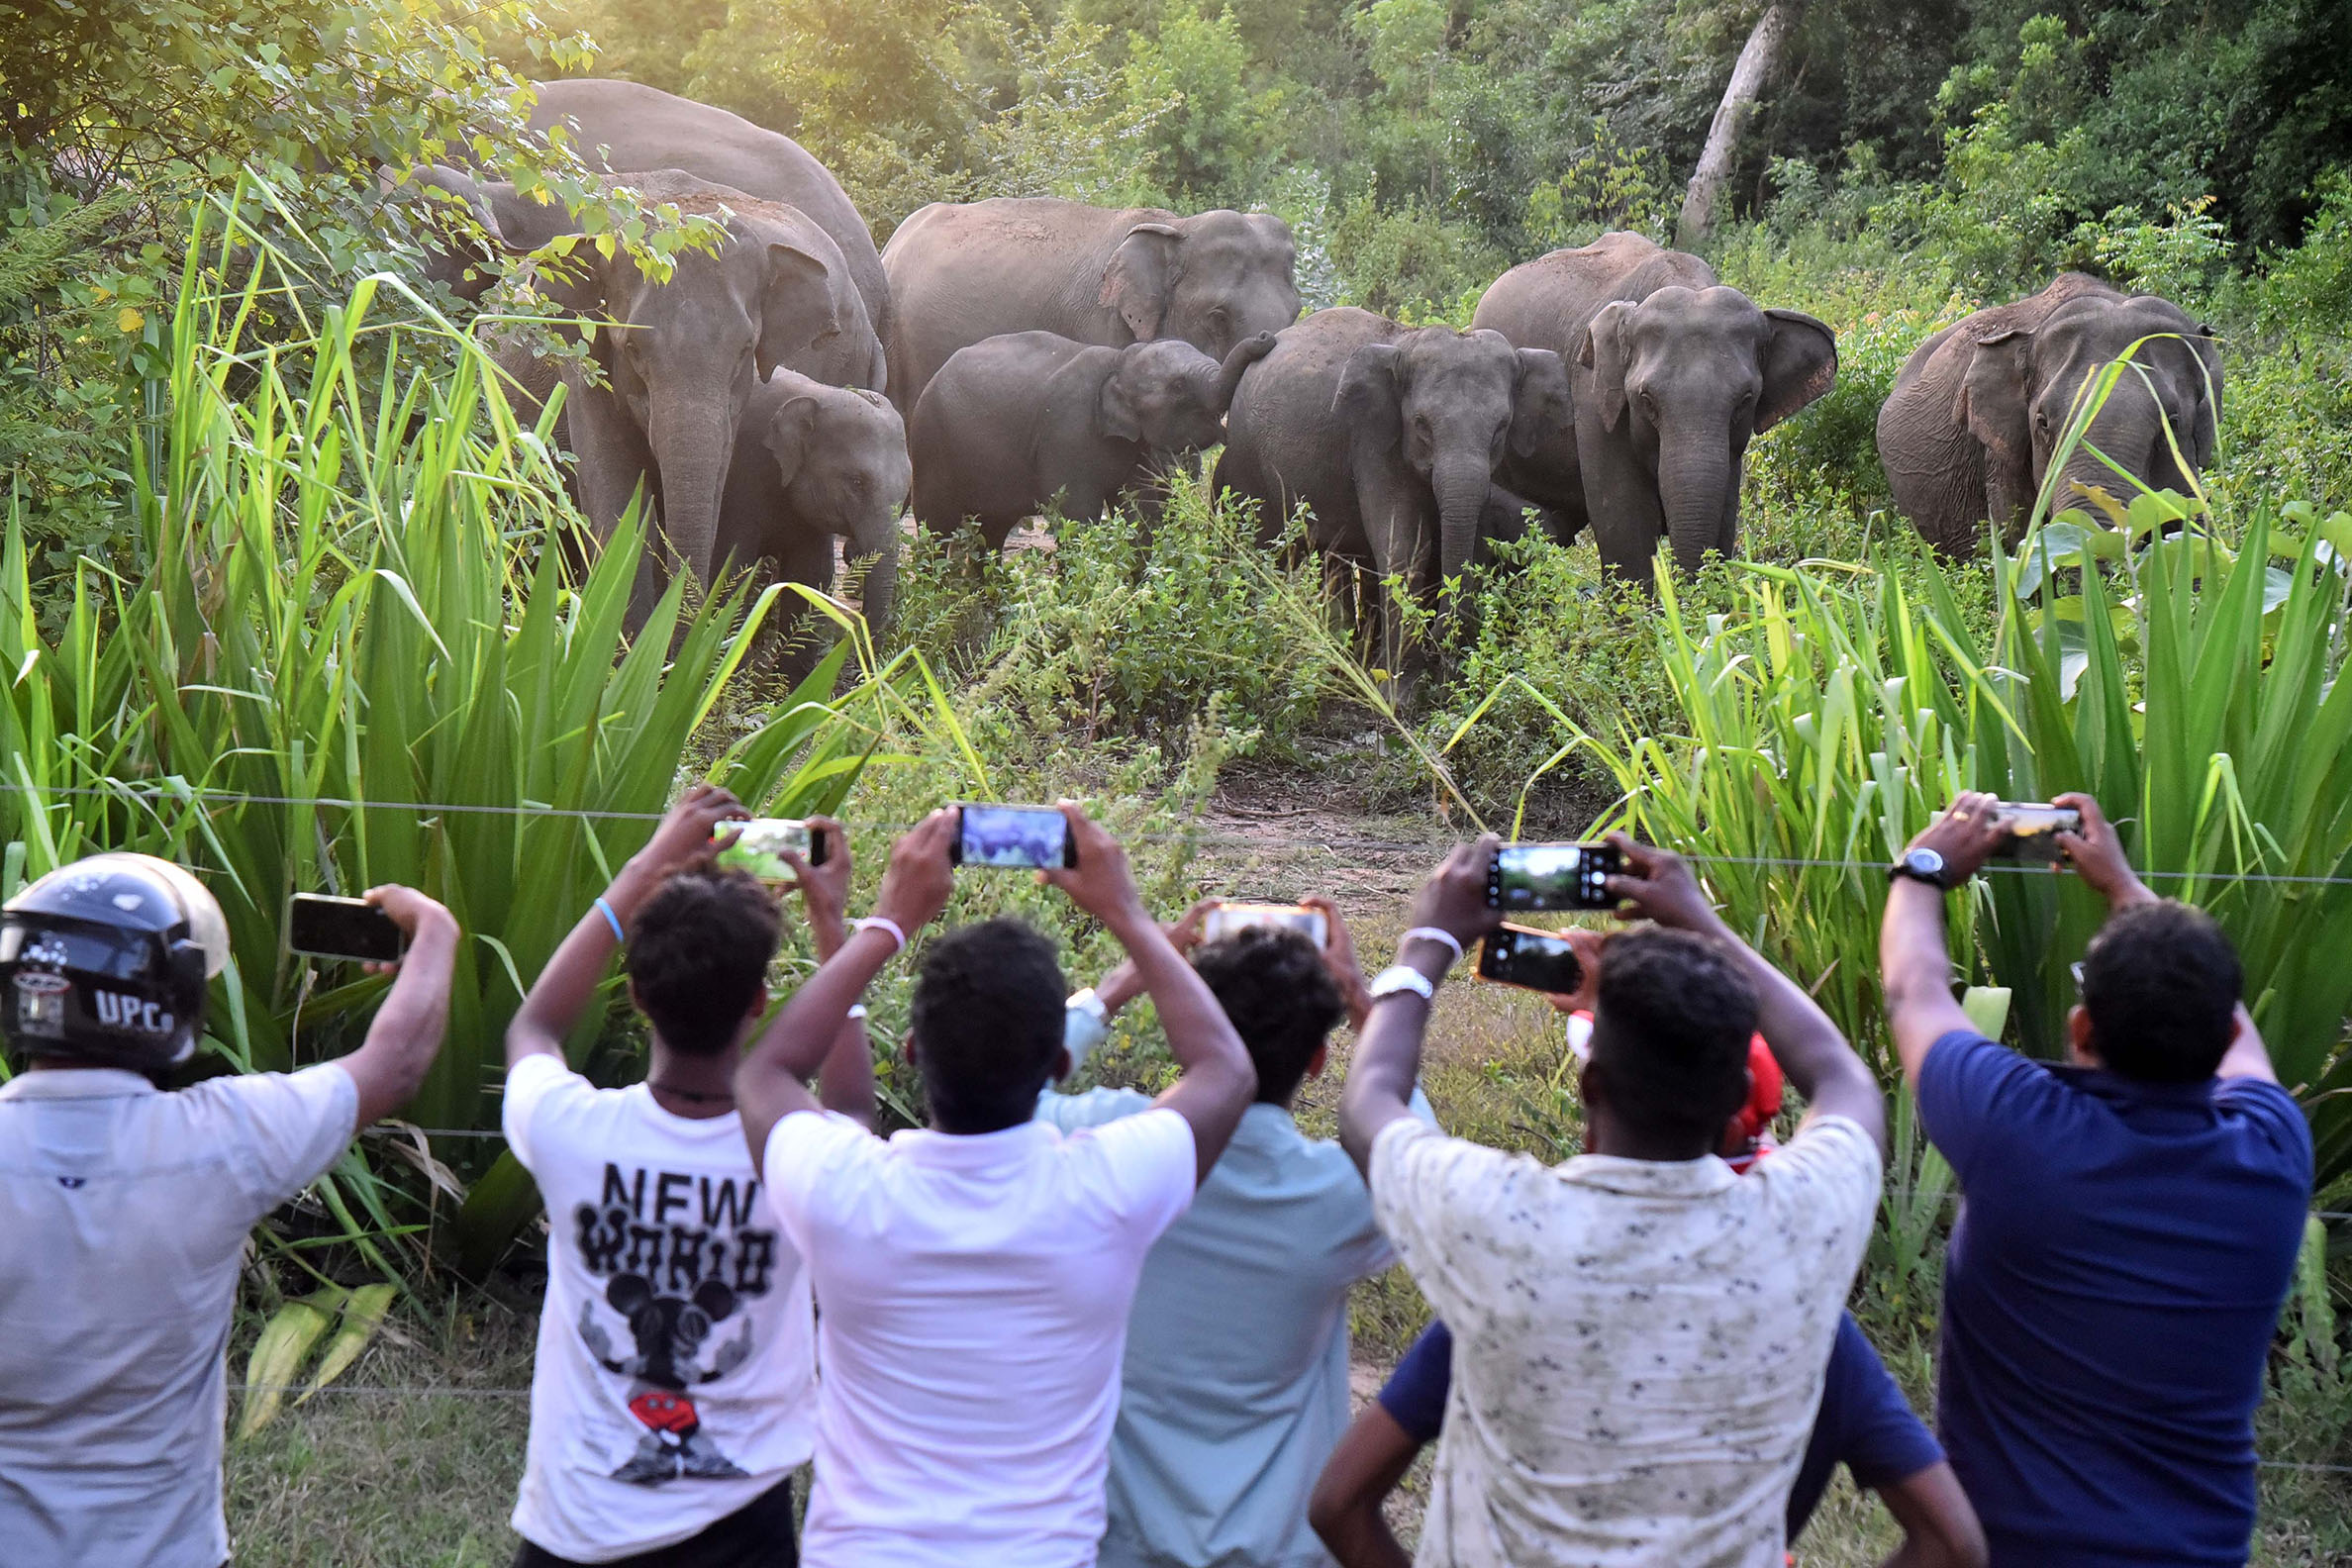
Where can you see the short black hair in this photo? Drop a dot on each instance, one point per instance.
(987, 1023)
(1671, 1026)
(2162, 983)
(1279, 998)
(699, 956)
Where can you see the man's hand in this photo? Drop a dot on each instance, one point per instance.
(916, 886)
(2097, 853)
(1588, 946)
(1659, 886)
(1124, 982)
(1968, 834)
(1101, 884)
(1340, 961)
(405, 1034)
(413, 913)
(825, 889)
(1454, 900)
(684, 837)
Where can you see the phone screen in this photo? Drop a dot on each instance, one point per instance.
(2035, 829)
(1231, 919)
(1539, 960)
(1020, 837)
(1552, 877)
(759, 850)
(341, 927)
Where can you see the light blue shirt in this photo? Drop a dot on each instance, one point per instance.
(1235, 1386)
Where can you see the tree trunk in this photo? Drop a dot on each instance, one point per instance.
(1759, 63)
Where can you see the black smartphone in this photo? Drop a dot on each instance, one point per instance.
(343, 927)
(1023, 838)
(1552, 877)
(761, 842)
(2034, 830)
(1521, 955)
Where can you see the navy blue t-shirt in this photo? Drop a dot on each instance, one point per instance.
(2114, 1281)
(1864, 1424)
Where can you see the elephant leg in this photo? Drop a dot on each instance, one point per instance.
(615, 468)
(805, 557)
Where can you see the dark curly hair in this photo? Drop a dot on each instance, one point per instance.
(699, 956)
(2161, 983)
(1279, 998)
(987, 1023)
(1671, 1026)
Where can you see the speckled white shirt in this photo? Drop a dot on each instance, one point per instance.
(1639, 1344)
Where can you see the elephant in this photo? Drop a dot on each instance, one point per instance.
(1977, 412)
(814, 463)
(623, 125)
(1392, 435)
(1013, 420)
(687, 352)
(960, 273)
(1673, 374)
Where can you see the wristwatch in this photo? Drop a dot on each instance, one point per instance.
(1921, 865)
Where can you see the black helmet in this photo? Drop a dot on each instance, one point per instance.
(105, 961)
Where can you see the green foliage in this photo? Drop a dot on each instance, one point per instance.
(349, 586)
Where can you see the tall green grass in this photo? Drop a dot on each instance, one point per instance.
(355, 586)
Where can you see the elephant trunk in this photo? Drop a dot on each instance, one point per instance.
(876, 543)
(693, 443)
(1695, 478)
(2133, 434)
(1460, 481)
(1247, 352)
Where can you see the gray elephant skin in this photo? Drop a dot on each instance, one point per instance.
(623, 125)
(814, 463)
(1015, 422)
(1673, 375)
(1392, 435)
(1976, 413)
(684, 354)
(963, 272)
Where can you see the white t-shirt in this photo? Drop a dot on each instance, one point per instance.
(974, 1295)
(1638, 1344)
(124, 1218)
(673, 1381)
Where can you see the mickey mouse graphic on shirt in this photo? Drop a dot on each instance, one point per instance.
(669, 1332)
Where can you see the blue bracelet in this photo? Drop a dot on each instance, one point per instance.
(611, 920)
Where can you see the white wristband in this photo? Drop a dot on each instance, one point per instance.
(858, 1013)
(1402, 977)
(883, 922)
(1432, 933)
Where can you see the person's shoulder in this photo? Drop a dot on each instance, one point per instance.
(1828, 1173)
(2269, 1106)
(318, 1090)
(1090, 1108)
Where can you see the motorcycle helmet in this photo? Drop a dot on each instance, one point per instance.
(104, 961)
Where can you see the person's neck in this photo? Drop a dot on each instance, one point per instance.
(1606, 1134)
(698, 1088)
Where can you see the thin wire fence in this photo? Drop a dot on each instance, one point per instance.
(1204, 837)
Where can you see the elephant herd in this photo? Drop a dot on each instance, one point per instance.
(1008, 357)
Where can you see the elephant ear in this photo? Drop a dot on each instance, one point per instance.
(1602, 354)
(1799, 365)
(796, 307)
(1116, 413)
(1541, 408)
(790, 429)
(2206, 438)
(1371, 402)
(1990, 403)
(1142, 271)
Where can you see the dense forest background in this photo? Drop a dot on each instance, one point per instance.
(1949, 150)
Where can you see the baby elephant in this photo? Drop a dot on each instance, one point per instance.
(1012, 421)
(812, 462)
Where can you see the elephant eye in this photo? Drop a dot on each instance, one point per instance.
(1650, 407)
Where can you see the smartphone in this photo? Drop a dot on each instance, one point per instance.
(2034, 830)
(1521, 955)
(1020, 837)
(759, 848)
(1552, 877)
(327, 927)
(1231, 917)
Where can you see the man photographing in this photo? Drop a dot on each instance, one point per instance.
(127, 1209)
(1640, 1334)
(2129, 1224)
